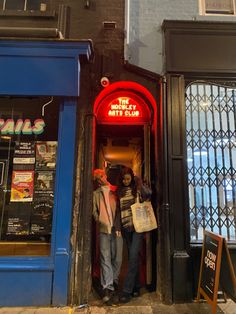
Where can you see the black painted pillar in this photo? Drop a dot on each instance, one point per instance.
(178, 193)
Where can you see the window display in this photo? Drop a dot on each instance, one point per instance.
(28, 155)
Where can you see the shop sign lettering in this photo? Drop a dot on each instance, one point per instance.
(20, 126)
(210, 260)
(123, 107)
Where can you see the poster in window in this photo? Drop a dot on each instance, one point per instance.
(41, 217)
(44, 183)
(46, 153)
(22, 186)
(18, 222)
(24, 153)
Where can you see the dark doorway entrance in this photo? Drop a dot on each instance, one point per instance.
(119, 146)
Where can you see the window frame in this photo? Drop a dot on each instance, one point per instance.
(202, 10)
(26, 6)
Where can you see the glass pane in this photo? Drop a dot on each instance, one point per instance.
(219, 6)
(38, 5)
(211, 157)
(28, 150)
(15, 5)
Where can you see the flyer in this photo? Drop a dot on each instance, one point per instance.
(41, 218)
(24, 153)
(18, 222)
(44, 184)
(46, 154)
(22, 186)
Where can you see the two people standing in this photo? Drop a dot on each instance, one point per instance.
(129, 188)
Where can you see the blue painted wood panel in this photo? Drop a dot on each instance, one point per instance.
(23, 288)
(39, 76)
(41, 68)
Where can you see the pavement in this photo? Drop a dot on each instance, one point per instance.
(148, 303)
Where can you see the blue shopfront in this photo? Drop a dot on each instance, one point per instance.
(39, 88)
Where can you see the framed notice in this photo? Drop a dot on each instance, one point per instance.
(210, 268)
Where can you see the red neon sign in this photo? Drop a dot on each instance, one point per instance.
(124, 107)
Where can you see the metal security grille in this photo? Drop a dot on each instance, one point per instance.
(211, 159)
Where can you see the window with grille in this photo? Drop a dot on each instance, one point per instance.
(221, 7)
(211, 159)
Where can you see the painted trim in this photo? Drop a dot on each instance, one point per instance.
(64, 201)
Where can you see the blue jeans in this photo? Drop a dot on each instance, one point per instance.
(134, 244)
(111, 250)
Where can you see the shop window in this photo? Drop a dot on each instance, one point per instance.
(211, 159)
(25, 5)
(28, 155)
(217, 7)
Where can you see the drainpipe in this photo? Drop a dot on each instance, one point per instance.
(165, 273)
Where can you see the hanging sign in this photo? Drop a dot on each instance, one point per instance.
(123, 108)
(20, 126)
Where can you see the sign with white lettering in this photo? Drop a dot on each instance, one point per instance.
(210, 268)
(123, 107)
(216, 267)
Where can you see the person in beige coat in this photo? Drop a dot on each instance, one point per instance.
(107, 215)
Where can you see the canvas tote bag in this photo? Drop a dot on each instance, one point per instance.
(143, 216)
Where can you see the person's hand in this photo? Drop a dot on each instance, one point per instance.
(118, 233)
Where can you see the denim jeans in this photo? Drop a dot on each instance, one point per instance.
(111, 250)
(134, 244)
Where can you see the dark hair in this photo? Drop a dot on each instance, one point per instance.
(121, 187)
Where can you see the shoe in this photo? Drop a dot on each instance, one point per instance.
(136, 293)
(113, 301)
(107, 294)
(115, 285)
(125, 297)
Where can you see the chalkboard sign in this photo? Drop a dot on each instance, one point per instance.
(227, 274)
(216, 268)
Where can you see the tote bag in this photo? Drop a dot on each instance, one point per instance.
(143, 217)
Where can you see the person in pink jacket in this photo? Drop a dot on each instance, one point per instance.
(107, 215)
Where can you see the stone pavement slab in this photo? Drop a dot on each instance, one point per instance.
(186, 308)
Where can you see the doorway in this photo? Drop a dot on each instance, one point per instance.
(118, 146)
